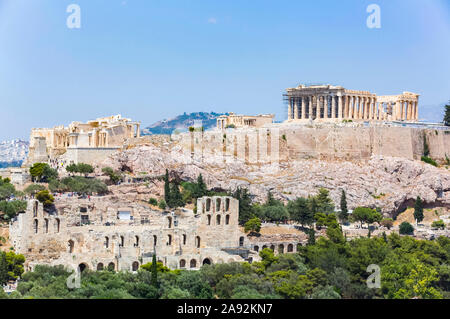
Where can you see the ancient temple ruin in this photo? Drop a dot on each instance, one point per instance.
(335, 103)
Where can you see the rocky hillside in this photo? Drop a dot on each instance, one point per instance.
(386, 182)
(182, 123)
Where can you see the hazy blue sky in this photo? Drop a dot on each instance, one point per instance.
(150, 60)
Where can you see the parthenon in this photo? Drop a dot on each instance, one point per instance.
(333, 103)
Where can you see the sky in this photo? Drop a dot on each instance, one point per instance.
(152, 60)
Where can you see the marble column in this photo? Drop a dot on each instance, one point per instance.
(339, 106)
(310, 107)
(350, 107)
(303, 108)
(325, 107)
(409, 115)
(295, 108)
(345, 111)
(290, 109)
(416, 109)
(360, 109)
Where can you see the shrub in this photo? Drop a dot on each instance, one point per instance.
(429, 160)
(406, 228)
(162, 204)
(387, 222)
(253, 225)
(33, 189)
(153, 201)
(45, 197)
(438, 224)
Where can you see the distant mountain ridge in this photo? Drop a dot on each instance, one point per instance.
(182, 123)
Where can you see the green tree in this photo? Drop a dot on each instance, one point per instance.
(324, 202)
(418, 210)
(447, 115)
(45, 197)
(201, 186)
(11, 266)
(175, 197)
(245, 205)
(84, 168)
(299, 211)
(32, 189)
(406, 228)
(162, 204)
(41, 172)
(114, 177)
(167, 196)
(366, 215)
(343, 215)
(153, 201)
(253, 225)
(12, 208)
(438, 224)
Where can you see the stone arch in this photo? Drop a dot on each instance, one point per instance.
(281, 249)
(36, 226)
(264, 247)
(136, 241)
(111, 266)
(218, 204)
(169, 222)
(197, 241)
(100, 266)
(122, 241)
(57, 225)
(208, 204)
(209, 219)
(272, 247)
(207, 261)
(290, 248)
(182, 263)
(256, 248)
(227, 219)
(184, 239)
(169, 240)
(83, 267)
(241, 241)
(106, 242)
(218, 220)
(135, 266)
(155, 240)
(193, 263)
(71, 246)
(46, 225)
(227, 204)
(35, 208)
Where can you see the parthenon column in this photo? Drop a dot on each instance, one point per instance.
(310, 106)
(303, 108)
(403, 111)
(339, 106)
(325, 107)
(409, 118)
(370, 109)
(333, 107)
(344, 114)
(295, 108)
(416, 109)
(360, 105)
(351, 110)
(290, 109)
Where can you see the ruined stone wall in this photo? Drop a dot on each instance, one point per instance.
(89, 232)
(338, 142)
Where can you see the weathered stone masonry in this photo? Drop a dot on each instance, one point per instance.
(100, 233)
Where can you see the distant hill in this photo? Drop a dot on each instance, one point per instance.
(182, 123)
(13, 153)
